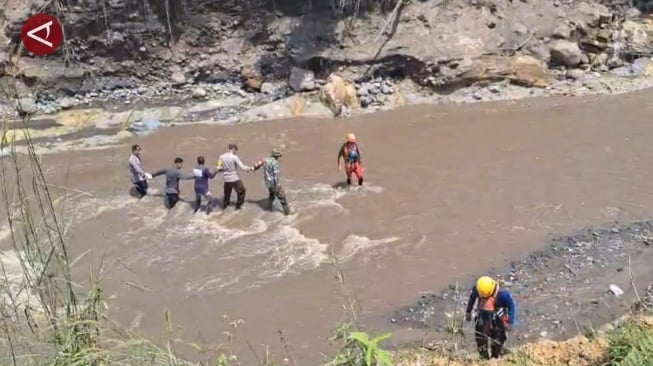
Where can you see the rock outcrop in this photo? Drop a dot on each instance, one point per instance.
(339, 95)
(435, 44)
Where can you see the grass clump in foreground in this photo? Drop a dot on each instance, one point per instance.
(46, 318)
(631, 344)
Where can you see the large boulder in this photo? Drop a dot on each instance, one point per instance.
(521, 70)
(565, 53)
(635, 37)
(338, 94)
(590, 14)
(26, 106)
(301, 79)
(529, 71)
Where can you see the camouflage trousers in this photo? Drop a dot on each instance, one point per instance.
(278, 193)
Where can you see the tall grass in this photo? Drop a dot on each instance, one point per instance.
(631, 344)
(47, 319)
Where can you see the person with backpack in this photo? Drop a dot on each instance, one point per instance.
(496, 315)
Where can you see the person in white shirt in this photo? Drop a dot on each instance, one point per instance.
(138, 175)
(229, 163)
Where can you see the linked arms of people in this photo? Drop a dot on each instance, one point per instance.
(157, 173)
(243, 166)
(258, 164)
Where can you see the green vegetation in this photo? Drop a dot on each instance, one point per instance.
(358, 349)
(631, 344)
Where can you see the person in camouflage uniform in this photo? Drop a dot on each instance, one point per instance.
(271, 172)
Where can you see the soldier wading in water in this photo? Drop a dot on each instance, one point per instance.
(271, 172)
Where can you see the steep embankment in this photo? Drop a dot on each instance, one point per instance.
(121, 50)
(627, 342)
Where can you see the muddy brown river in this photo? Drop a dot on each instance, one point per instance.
(450, 190)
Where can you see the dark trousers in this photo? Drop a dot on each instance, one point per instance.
(171, 200)
(240, 193)
(141, 187)
(198, 201)
(490, 329)
(277, 192)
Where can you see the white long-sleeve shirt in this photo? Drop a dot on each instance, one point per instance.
(136, 169)
(230, 165)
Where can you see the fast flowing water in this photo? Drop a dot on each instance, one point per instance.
(449, 190)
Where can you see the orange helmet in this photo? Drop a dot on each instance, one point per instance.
(351, 137)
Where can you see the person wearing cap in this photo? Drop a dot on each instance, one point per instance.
(496, 315)
(173, 175)
(350, 154)
(230, 163)
(271, 172)
(138, 175)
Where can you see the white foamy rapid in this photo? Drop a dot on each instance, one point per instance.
(238, 250)
(15, 290)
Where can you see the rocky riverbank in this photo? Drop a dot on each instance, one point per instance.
(431, 51)
(581, 282)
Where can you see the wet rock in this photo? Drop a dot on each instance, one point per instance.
(178, 78)
(375, 92)
(199, 93)
(26, 106)
(616, 290)
(562, 31)
(338, 93)
(301, 79)
(520, 70)
(575, 74)
(267, 88)
(67, 102)
(640, 67)
(632, 13)
(614, 62)
(592, 15)
(637, 36)
(253, 79)
(599, 59)
(565, 53)
(144, 126)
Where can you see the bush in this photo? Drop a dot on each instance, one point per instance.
(631, 344)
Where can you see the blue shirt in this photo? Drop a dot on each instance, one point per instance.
(202, 175)
(503, 300)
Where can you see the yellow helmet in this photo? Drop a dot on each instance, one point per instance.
(486, 287)
(351, 137)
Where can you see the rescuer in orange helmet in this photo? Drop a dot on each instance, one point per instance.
(351, 156)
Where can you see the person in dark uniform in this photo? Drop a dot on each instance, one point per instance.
(496, 315)
(173, 175)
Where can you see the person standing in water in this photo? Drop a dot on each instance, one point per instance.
(138, 175)
(271, 172)
(230, 163)
(351, 156)
(173, 175)
(202, 175)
